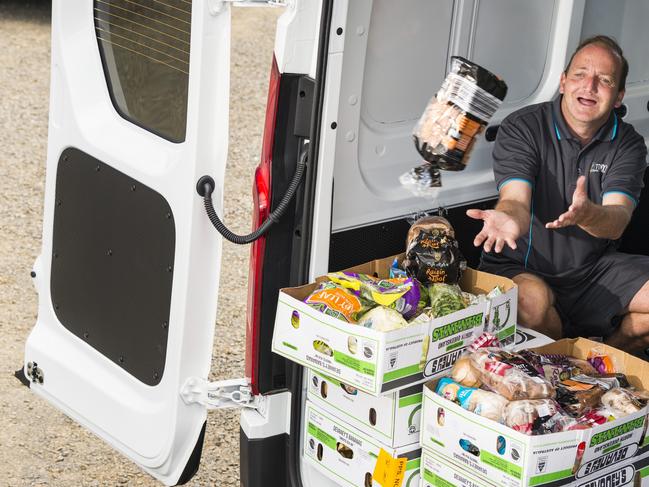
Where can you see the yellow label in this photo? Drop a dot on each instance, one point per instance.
(389, 471)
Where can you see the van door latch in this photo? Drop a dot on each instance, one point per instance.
(231, 393)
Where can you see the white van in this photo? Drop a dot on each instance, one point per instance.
(128, 273)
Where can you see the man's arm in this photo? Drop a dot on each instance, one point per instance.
(607, 220)
(508, 220)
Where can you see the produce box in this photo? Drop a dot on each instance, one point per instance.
(374, 361)
(503, 309)
(526, 338)
(394, 418)
(436, 471)
(608, 454)
(348, 456)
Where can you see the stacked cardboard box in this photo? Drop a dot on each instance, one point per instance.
(349, 455)
(365, 386)
(378, 362)
(461, 448)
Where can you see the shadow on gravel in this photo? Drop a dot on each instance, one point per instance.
(37, 11)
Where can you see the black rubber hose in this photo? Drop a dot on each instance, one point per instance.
(207, 186)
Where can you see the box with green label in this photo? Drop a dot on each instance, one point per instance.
(608, 452)
(376, 361)
(436, 471)
(347, 455)
(393, 418)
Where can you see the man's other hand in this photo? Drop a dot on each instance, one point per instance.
(579, 212)
(499, 229)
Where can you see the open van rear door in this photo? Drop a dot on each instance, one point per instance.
(129, 268)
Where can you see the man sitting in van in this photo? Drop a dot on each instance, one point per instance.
(569, 173)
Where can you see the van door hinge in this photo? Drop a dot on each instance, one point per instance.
(217, 6)
(232, 393)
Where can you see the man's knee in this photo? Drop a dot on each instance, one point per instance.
(535, 299)
(636, 326)
(640, 302)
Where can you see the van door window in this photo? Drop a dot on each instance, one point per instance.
(144, 46)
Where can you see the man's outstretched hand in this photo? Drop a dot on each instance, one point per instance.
(499, 229)
(579, 212)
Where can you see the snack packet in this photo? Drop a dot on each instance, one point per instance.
(577, 397)
(556, 367)
(336, 301)
(403, 294)
(603, 362)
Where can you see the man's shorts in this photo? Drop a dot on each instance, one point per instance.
(592, 303)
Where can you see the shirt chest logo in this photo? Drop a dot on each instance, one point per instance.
(597, 167)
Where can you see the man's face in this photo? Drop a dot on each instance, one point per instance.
(590, 87)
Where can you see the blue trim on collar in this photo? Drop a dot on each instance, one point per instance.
(556, 129)
(614, 126)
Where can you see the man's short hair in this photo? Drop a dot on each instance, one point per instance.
(610, 44)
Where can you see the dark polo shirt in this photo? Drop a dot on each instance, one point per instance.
(535, 145)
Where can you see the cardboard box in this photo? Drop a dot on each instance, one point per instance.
(348, 456)
(526, 338)
(378, 362)
(437, 471)
(509, 458)
(394, 418)
(503, 309)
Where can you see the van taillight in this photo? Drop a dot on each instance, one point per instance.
(261, 193)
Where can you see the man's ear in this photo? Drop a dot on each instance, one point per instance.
(562, 82)
(619, 98)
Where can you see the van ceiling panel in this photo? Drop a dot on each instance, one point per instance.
(395, 58)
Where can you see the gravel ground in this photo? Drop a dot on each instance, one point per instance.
(40, 446)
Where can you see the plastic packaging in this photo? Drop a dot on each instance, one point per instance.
(338, 302)
(510, 375)
(536, 416)
(483, 403)
(556, 368)
(464, 373)
(624, 401)
(432, 252)
(446, 132)
(603, 363)
(577, 397)
(445, 299)
(382, 319)
(402, 294)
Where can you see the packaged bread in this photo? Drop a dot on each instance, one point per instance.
(464, 373)
(432, 252)
(621, 401)
(536, 416)
(510, 375)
